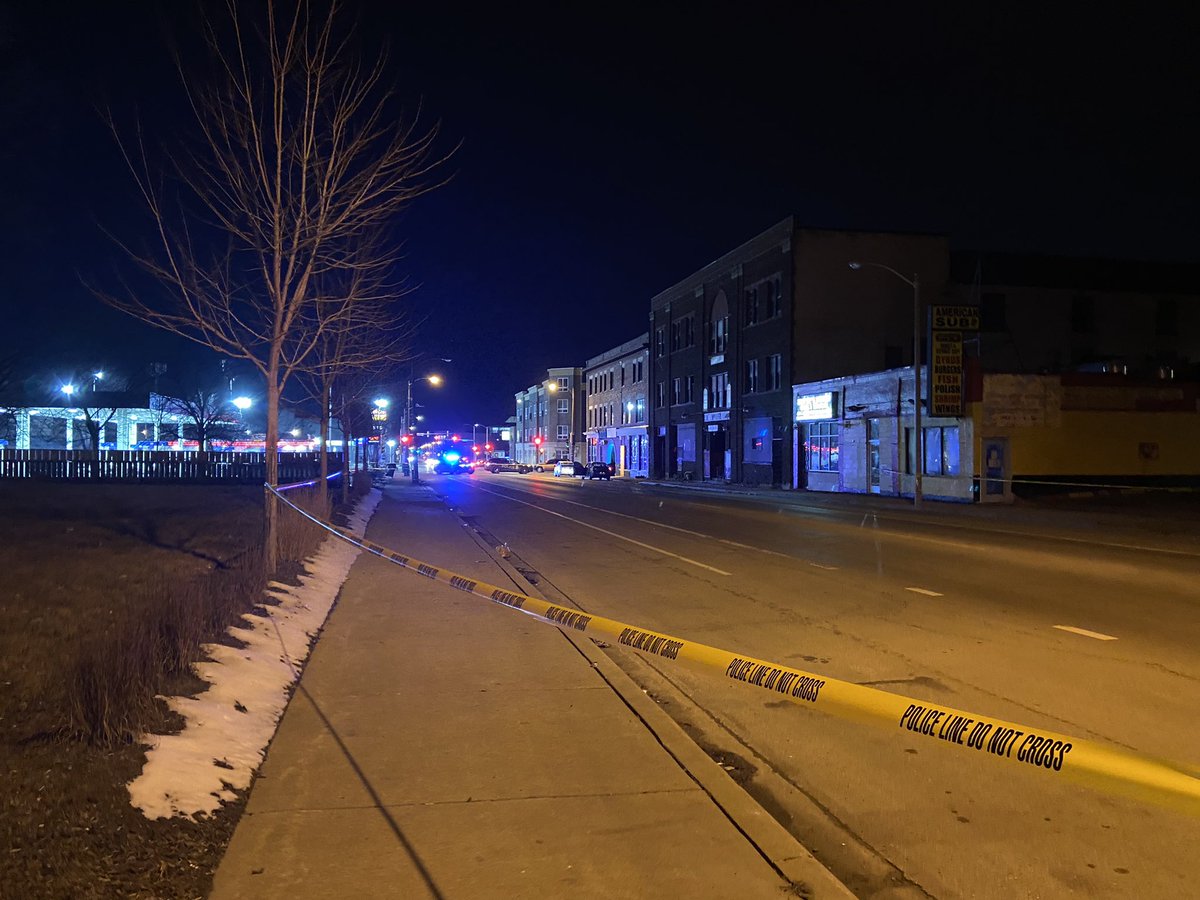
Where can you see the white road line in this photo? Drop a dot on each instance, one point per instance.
(651, 522)
(819, 566)
(925, 592)
(1092, 634)
(619, 537)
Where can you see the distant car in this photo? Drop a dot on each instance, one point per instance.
(499, 464)
(545, 466)
(597, 469)
(569, 468)
(455, 467)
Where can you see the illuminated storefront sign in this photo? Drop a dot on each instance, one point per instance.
(815, 407)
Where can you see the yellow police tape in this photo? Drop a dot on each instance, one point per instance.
(1082, 760)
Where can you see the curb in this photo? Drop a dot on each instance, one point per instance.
(792, 860)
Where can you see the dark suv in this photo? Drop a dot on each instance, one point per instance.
(597, 469)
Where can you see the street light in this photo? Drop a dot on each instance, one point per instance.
(242, 403)
(918, 444)
(435, 380)
(96, 376)
(68, 389)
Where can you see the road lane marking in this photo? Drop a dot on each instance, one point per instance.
(1092, 634)
(819, 566)
(614, 534)
(925, 592)
(652, 523)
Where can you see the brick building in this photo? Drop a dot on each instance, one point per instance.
(727, 343)
(618, 407)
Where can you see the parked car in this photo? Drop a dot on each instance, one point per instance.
(545, 466)
(507, 464)
(569, 468)
(597, 469)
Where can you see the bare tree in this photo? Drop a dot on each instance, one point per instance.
(358, 346)
(349, 402)
(202, 398)
(299, 160)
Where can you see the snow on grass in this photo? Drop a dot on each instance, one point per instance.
(229, 725)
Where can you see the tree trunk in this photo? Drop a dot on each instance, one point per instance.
(323, 487)
(271, 459)
(345, 463)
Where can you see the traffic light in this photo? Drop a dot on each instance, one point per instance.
(475, 448)
(456, 438)
(537, 441)
(406, 439)
(488, 447)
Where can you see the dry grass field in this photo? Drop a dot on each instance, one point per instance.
(106, 592)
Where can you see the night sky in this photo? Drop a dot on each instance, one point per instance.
(605, 155)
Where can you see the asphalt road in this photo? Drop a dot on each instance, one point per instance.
(1086, 627)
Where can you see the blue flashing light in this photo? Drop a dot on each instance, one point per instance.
(451, 456)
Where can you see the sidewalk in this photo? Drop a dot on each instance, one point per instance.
(442, 746)
(1169, 520)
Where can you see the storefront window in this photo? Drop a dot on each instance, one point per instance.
(941, 451)
(821, 446)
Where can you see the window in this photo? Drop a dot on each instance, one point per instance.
(622, 375)
(683, 390)
(683, 333)
(941, 451)
(563, 433)
(1083, 315)
(641, 410)
(564, 384)
(821, 446)
(752, 376)
(750, 306)
(718, 325)
(564, 406)
(718, 391)
(773, 306)
(661, 395)
(775, 372)
(660, 342)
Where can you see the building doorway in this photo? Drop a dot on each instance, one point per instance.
(660, 456)
(874, 461)
(716, 458)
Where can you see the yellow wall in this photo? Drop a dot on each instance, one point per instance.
(1102, 443)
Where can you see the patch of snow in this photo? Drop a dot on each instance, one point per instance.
(192, 773)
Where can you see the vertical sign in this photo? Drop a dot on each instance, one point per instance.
(947, 324)
(946, 374)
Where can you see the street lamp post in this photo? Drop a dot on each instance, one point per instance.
(435, 380)
(918, 438)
